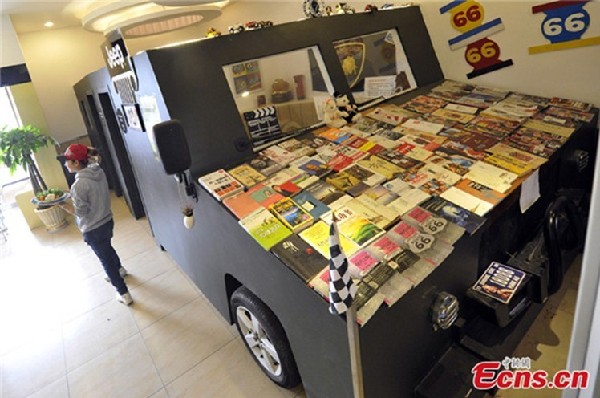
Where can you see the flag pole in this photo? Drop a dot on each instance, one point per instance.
(355, 359)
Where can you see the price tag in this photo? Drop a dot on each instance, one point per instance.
(466, 16)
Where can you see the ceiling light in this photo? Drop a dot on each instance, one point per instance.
(137, 18)
(48, 24)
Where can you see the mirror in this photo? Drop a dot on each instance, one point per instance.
(279, 95)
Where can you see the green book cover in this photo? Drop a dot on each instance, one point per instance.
(265, 228)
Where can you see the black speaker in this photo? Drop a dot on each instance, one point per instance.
(172, 146)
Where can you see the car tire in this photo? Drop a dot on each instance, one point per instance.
(264, 338)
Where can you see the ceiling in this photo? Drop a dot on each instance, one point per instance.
(29, 16)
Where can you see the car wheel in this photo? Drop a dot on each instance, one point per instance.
(264, 337)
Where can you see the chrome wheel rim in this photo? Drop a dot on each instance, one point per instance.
(257, 340)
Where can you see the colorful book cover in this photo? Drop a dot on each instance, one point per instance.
(535, 142)
(491, 176)
(361, 262)
(381, 166)
(342, 180)
(355, 142)
(264, 195)
(339, 162)
(265, 228)
(315, 207)
(384, 248)
(221, 184)
(563, 131)
(569, 114)
(380, 195)
(335, 135)
(423, 126)
(300, 257)
(291, 214)
(481, 191)
(315, 168)
(355, 154)
(264, 165)
(247, 175)
(452, 147)
(514, 160)
(571, 104)
(278, 155)
(370, 213)
(467, 201)
(500, 282)
(296, 147)
(471, 222)
(399, 159)
(324, 192)
(317, 235)
(364, 175)
(457, 164)
(359, 230)
(457, 116)
(492, 126)
(241, 205)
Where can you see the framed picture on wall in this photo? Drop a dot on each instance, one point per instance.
(133, 115)
(246, 76)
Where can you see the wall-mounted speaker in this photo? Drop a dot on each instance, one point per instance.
(172, 146)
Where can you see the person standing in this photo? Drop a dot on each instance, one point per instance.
(90, 204)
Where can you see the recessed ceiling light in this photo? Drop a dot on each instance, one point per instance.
(49, 24)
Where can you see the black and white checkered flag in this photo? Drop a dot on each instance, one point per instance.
(341, 288)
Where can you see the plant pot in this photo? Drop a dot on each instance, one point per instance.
(54, 218)
(188, 221)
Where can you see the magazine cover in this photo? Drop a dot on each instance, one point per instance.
(500, 282)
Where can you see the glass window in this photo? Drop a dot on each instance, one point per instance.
(9, 116)
(280, 94)
(375, 65)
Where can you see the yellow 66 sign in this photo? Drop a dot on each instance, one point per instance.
(466, 16)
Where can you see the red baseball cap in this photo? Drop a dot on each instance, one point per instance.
(76, 152)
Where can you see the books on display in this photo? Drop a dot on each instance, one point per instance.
(265, 228)
(221, 184)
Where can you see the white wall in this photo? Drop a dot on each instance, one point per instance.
(10, 52)
(573, 73)
(57, 59)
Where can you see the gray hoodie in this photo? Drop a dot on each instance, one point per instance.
(91, 198)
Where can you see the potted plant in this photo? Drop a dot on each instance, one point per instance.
(188, 216)
(17, 146)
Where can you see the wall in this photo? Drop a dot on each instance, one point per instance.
(10, 53)
(56, 60)
(563, 73)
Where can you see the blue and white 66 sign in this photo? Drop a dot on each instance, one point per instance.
(565, 23)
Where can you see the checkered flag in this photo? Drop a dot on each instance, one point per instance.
(341, 288)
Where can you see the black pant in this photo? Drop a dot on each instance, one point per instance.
(99, 240)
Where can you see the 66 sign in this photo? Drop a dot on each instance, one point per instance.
(482, 53)
(565, 23)
(467, 16)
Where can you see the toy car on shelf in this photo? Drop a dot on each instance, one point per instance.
(212, 32)
(253, 25)
(237, 28)
(344, 8)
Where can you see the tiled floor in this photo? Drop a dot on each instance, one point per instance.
(63, 334)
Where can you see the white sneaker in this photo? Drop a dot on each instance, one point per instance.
(125, 298)
(122, 271)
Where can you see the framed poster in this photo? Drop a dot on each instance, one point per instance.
(246, 77)
(133, 115)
